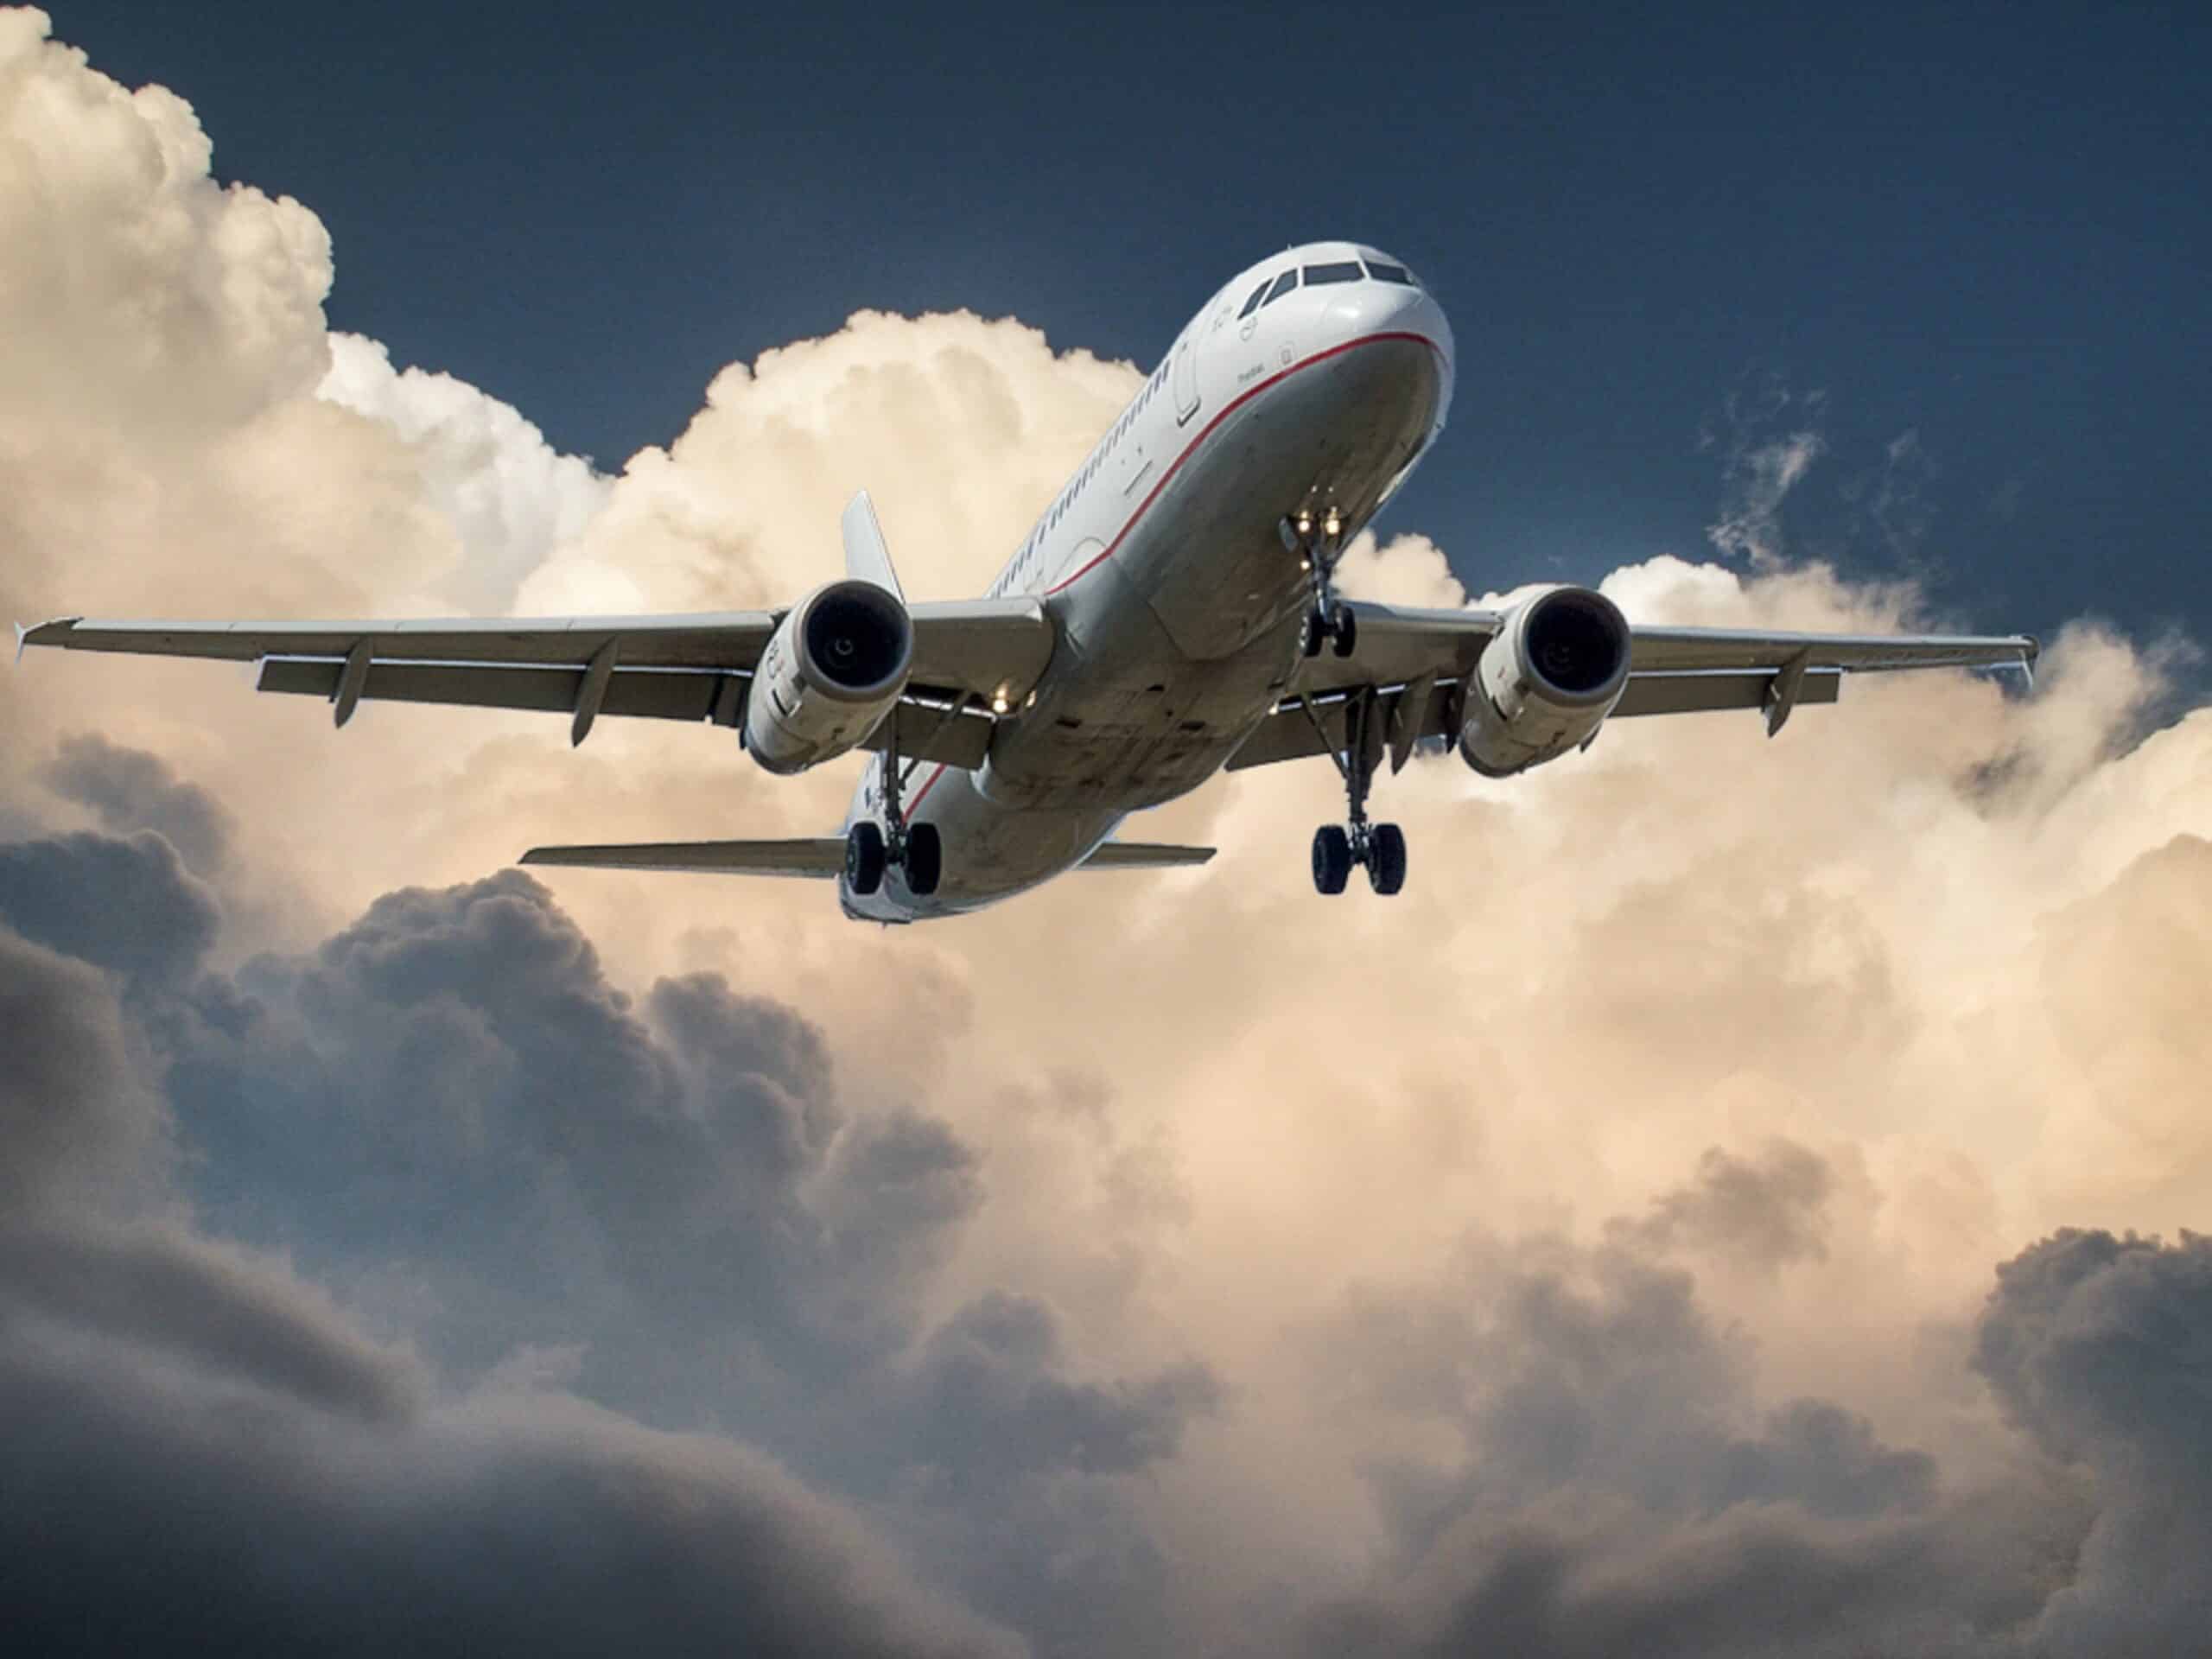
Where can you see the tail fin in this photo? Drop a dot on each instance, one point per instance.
(866, 557)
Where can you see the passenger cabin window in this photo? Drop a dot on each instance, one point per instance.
(1284, 283)
(1253, 304)
(1344, 271)
(1385, 273)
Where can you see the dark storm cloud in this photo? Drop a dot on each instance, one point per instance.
(2090, 1338)
(990, 1396)
(1599, 1373)
(193, 1301)
(78, 1121)
(452, 1082)
(1566, 1536)
(130, 789)
(2101, 1347)
(1619, 1490)
(1769, 1208)
(125, 904)
(450, 1090)
(185, 1509)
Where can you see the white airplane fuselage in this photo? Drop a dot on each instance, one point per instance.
(1179, 608)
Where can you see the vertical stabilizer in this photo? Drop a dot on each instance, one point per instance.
(867, 558)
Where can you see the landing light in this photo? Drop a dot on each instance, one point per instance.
(1001, 700)
(1332, 525)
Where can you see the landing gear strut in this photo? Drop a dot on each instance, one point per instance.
(1319, 543)
(1379, 849)
(915, 848)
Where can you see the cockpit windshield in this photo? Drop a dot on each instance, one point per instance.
(1321, 275)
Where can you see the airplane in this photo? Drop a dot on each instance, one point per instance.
(1171, 613)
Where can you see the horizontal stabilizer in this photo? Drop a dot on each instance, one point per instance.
(819, 857)
(1143, 855)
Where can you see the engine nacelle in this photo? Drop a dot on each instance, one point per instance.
(1545, 682)
(832, 670)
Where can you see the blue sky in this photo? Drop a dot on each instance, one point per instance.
(1985, 229)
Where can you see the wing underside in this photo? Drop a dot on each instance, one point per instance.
(1412, 668)
(696, 668)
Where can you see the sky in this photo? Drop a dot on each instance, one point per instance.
(1745, 1197)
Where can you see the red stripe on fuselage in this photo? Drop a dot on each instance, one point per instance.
(1207, 431)
(1176, 466)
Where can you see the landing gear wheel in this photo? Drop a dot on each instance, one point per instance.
(1386, 858)
(864, 858)
(925, 859)
(1337, 628)
(1332, 858)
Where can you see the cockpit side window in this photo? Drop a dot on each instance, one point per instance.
(1253, 304)
(1388, 273)
(1346, 270)
(1283, 284)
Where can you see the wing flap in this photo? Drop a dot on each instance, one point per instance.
(1695, 692)
(663, 695)
(958, 734)
(815, 857)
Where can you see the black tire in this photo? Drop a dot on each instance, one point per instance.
(1331, 859)
(1386, 858)
(925, 859)
(1310, 642)
(1347, 631)
(864, 858)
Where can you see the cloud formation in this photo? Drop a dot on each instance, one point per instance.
(1694, 1219)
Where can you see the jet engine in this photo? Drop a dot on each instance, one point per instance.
(832, 670)
(1545, 682)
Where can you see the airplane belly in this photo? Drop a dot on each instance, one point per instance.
(1126, 719)
(991, 852)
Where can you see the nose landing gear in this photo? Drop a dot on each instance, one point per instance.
(1379, 848)
(915, 848)
(1319, 543)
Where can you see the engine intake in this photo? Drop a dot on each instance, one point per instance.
(834, 668)
(1545, 682)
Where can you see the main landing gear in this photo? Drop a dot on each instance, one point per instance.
(1319, 543)
(1379, 849)
(915, 848)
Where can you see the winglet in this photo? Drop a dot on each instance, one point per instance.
(2029, 652)
(867, 557)
(53, 632)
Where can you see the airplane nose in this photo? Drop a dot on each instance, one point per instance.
(1376, 309)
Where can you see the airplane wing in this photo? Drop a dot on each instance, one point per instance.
(1417, 663)
(694, 667)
